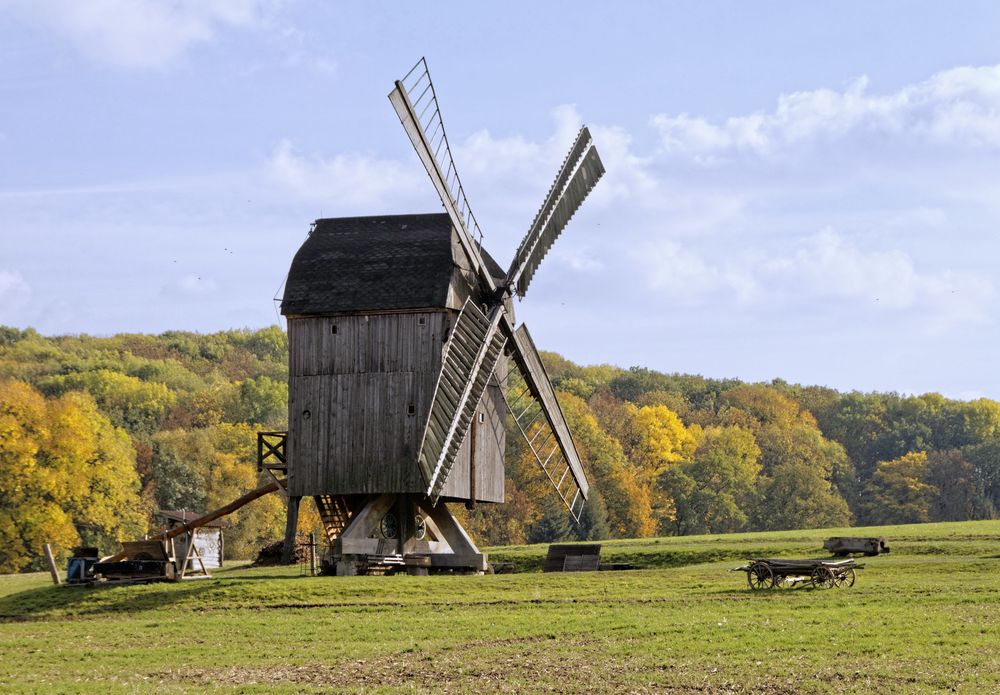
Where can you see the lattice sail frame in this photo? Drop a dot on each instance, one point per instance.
(550, 440)
(415, 101)
(479, 336)
(539, 436)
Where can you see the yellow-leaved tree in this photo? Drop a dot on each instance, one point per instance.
(67, 476)
(627, 499)
(660, 442)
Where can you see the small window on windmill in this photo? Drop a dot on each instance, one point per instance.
(482, 417)
(411, 409)
(422, 320)
(333, 329)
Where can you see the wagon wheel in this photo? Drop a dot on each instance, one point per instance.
(781, 582)
(760, 576)
(823, 578)
(846, 577)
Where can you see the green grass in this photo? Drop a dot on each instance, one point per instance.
(924, 618)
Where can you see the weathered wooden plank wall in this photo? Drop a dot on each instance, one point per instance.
(360, 389)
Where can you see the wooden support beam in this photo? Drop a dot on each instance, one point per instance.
(221, 511)
(291, 528)
(471, 504)
(52, 565)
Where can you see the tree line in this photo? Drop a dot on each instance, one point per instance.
(96, 433)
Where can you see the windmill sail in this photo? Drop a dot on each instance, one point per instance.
(471, 356)
(479, 336)
(416, 105)
(540, 420)
(579, 174)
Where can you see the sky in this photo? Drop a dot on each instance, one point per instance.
(805, 191)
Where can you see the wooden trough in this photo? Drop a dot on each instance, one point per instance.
(573, 558)
(847, 545)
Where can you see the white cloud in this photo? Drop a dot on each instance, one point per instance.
(519, 161)
(918, 217)
(512, 173)
(140, 34)
(579, 260)
(481, 153)
(828, 265)
(344, 180)
(679, 273)
(821, 270)
(960, 106)
(14, 294)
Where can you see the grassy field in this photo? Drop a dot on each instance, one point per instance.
(924, 618)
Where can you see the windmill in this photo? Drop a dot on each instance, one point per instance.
(401, 336)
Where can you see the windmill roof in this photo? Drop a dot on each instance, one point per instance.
(388, 262)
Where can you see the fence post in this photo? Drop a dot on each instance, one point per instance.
(312, 554)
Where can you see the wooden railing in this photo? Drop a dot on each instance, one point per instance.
(271, 452)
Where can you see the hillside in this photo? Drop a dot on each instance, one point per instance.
(101, 431)
(918, 619)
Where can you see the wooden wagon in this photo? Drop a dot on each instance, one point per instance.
(772, 573)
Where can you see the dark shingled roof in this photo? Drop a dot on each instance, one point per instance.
(373, 263)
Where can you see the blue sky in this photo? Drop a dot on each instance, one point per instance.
(793, 190)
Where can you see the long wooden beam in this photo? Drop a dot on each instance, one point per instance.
(211, 516)
(221, 511)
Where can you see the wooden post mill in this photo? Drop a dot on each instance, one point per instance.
(401, 337)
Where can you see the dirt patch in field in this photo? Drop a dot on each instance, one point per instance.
(536, 664)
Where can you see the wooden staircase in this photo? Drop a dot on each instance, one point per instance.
(334, 512)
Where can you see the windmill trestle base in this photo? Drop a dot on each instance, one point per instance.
(413, 565)
(404, 533)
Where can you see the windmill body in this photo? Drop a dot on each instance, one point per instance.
(401, 340)
(370, 303)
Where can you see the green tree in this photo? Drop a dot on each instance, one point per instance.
(959, 492)
(178, 471)
(713, 491)
(269, 343)
(764, 405)
(985, 460)
(897, 492)
(593, 524)
(261, 401)
(554, 525)
(794, 495)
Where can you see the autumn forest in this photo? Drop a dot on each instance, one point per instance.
(97, 433)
